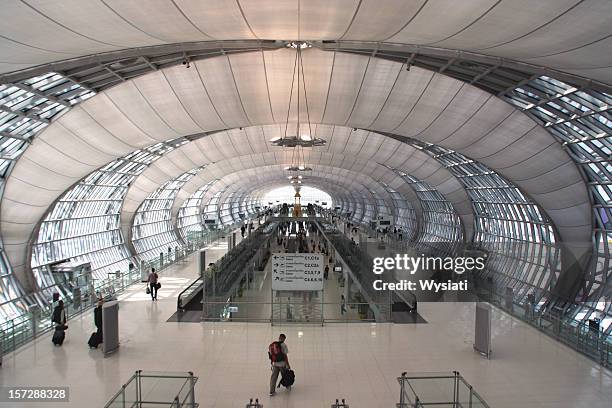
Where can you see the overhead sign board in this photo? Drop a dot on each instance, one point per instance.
(297, 271)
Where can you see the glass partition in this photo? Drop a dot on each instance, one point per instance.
(159, 389)
(450, 390)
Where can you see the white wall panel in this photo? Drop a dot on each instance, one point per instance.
(161, 20)
(106, 26)
(160, 95)
(440, 19)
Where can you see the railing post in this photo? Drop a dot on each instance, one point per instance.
(139, 388)
(402, 402)
(123, 395)
(455, 389)
(471, 394)
(192, 389)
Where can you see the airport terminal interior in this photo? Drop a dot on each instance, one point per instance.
(183, 182)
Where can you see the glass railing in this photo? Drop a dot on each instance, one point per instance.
(229, 271)
(18, 331)
(21, 330)
(578, 335)
(287, 312)
(437, 389)
(159, 389)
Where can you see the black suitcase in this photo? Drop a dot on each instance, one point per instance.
(95, 339)
(288, 378)
(58, 337)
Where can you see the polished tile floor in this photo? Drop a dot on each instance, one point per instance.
(358, 362)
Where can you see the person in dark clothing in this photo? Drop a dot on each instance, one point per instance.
(59, 314)
(97, 338)
(59, 320)
(153, 277)
(98, 316)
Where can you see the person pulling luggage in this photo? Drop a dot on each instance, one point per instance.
(153, 284)
(96, 337)
(279, 359)
(59, 319)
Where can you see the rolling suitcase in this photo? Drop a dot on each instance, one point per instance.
(95, 339)
(58, 337)
(288, 378)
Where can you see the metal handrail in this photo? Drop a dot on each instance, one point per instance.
(578, 335)
(233, 264)
(596, 345)
(459, 389)
(134, 392)
(22, 329)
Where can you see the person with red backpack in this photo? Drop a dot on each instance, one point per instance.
(278, 353)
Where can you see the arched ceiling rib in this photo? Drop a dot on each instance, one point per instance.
(569, 35)
(343, 89)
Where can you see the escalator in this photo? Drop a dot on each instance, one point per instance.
(224, 278)
(395, 306)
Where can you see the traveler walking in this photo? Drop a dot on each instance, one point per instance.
(59, 319)
(153, 284)
(242, 229)
(279, 359)
(342, 305)
(96, 337)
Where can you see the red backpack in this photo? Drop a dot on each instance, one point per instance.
(275, 352)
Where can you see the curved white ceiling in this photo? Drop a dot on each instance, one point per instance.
(237, 91)
(359, 152)
(335, 179)
(569, 35)
(356, 188)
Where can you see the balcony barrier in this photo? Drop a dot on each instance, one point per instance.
(156, 389)
(439, 390)
(21, 330)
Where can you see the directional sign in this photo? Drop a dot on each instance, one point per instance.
(297, 271)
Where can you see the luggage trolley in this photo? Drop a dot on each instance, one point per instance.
(254, 404)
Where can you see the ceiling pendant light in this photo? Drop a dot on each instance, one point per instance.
(303, 136)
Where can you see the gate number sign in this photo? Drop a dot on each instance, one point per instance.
(297, 271)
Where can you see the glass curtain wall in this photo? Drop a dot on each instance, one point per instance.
(441, 227)
(404, 214)
(189, 221)
(84, 224)
(580, 120)
(518, 237)
(153, 231)
(26, 108)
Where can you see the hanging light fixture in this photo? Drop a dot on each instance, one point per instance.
(303, 136)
